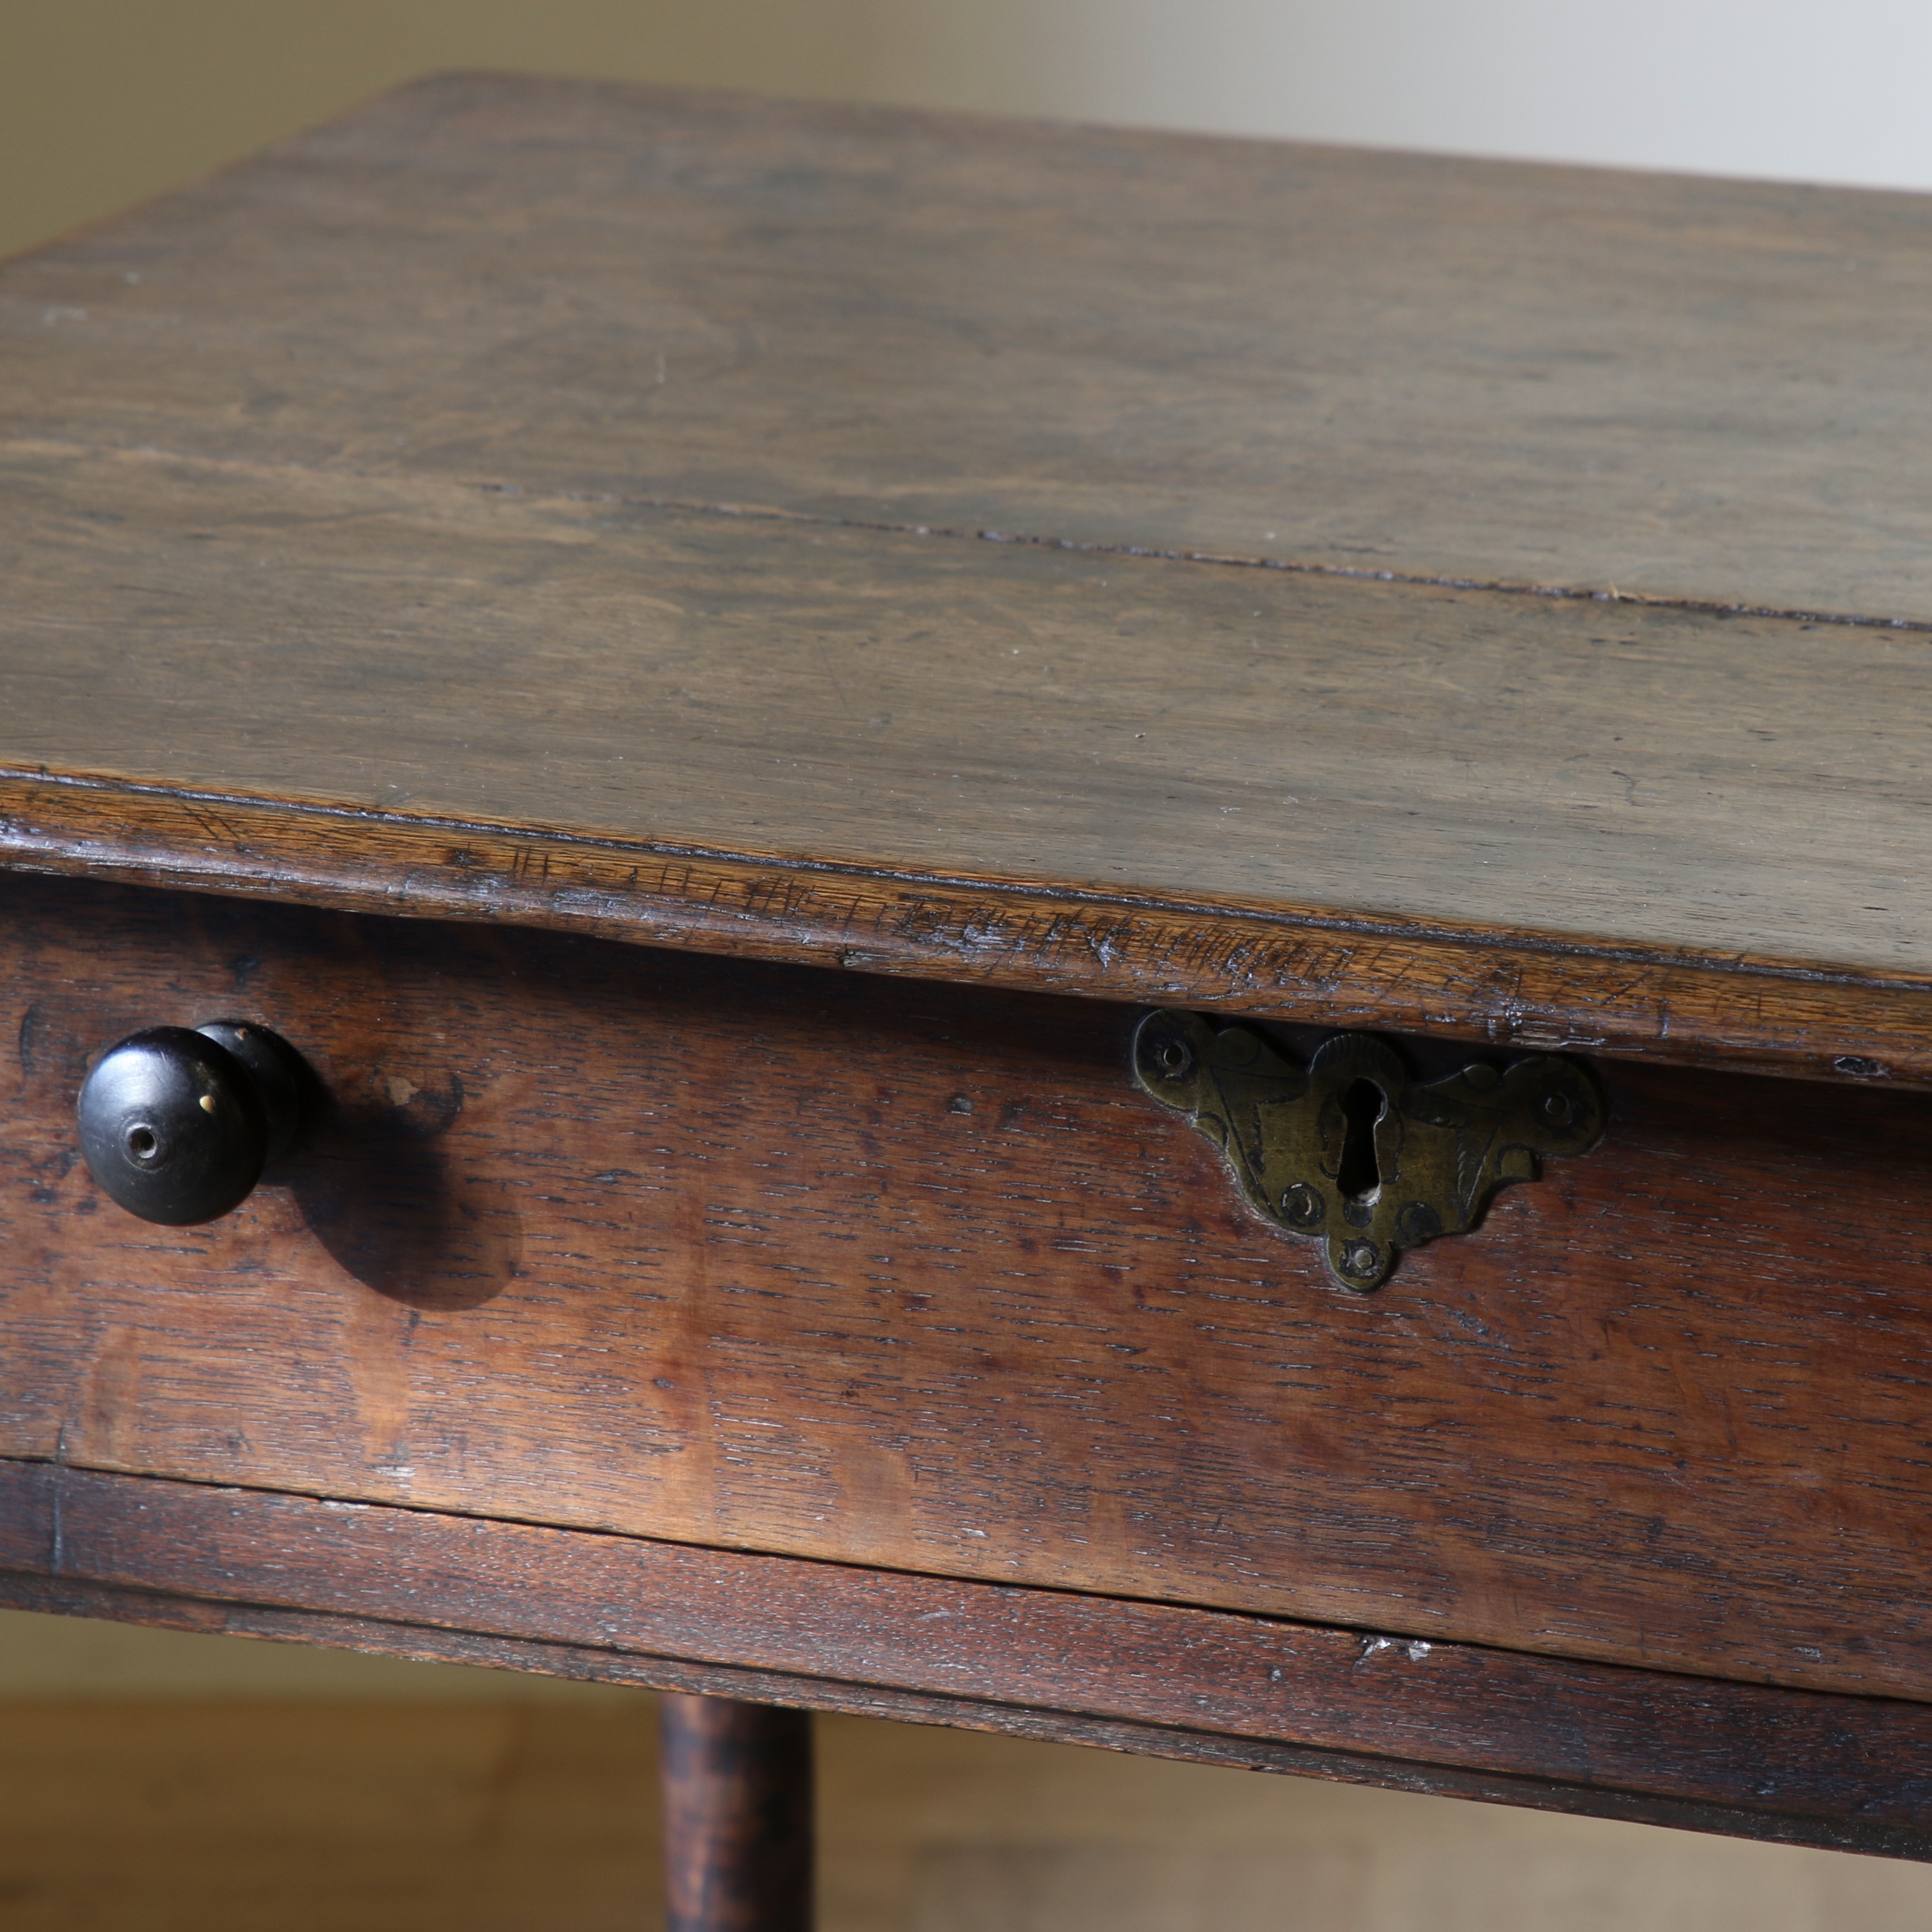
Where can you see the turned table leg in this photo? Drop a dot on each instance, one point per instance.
(737, 1807)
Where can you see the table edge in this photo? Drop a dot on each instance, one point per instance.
(1311, 965)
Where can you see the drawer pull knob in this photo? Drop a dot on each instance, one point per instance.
(1349, 1150)
(177, 1123)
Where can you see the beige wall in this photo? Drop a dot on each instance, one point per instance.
(104, 101)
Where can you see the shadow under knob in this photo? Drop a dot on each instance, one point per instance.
(177, 1123)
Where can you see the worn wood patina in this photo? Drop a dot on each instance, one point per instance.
(706, 661)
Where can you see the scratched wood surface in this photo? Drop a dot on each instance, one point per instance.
(340, 480)
(1333, 969)
(1563, 377)
(890, 1273)
(1642, 795)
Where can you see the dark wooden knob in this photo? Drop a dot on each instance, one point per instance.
(177, 1123)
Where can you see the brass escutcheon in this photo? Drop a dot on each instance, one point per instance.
(1352, 1152)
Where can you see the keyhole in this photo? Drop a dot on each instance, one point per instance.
(1359, 1174)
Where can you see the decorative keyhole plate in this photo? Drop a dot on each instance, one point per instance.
(1349, 1150)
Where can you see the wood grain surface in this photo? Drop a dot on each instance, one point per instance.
(1641, 796)
(1564, 376)
(869, 1271)
(1333, 969)
(771, 483)
(1794, 1765)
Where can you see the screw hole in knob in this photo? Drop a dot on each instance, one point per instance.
(177, 1123)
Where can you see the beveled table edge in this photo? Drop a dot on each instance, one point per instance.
(1314, 965)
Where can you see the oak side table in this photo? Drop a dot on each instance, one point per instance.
(1112, 935)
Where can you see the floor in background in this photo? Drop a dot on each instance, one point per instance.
(314, 1816)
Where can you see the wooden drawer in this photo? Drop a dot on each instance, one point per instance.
(784, 1259)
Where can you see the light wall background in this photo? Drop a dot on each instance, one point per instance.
(104, 102)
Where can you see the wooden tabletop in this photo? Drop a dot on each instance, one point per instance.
(1483, 597)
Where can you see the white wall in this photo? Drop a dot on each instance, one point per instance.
(1824, 90)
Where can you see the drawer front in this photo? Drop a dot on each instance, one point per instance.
(784, 1259)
